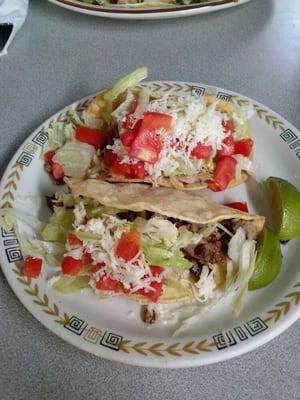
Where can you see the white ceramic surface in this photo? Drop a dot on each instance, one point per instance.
(112, 328)
(133, 12)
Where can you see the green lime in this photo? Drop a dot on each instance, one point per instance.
(268, 260)
(284, 201)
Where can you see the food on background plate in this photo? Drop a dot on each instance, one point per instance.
(129, 134)
(143, 3)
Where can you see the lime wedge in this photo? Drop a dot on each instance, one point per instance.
(268, 260)
(284, 199)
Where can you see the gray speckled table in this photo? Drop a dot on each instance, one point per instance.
(60, 56)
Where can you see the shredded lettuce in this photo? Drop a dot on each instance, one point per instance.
(58, 135)
(75, 158)
(41, 248)
(235, 245)
(98, 211)
(69, 284)
(186, 237)
(246, 268)
(208, 230)
(60, 223)
(7, 219)
(159, 254)
(67, 199)
(126, 82)
(10, 216)
(87, 235)
(160, 229)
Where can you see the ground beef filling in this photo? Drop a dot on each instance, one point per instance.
(211, 250)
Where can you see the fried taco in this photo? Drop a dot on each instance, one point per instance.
(160, 245)
(133, 134)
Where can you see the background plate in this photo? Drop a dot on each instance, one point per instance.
(131, 12)
(112, 328)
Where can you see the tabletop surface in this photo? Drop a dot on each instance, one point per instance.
(61, 56)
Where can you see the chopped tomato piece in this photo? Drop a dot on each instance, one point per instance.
(48, 157)
(109, 158)
(127, 138)
(153, 295)
(122, 169)
(94, 137)
(238, 205)
(128, 245)
(32, 266)
(71, 266)
(201, 152)
(139, 170)
(228, 125)
(243, 147)
(155, 121)
(57, 171)
(87, 258)
(228, 149)
(147, 145)
(107, 283)
(223, 174)
(74, 240)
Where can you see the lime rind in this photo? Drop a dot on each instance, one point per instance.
(268, 261)
(284, 201)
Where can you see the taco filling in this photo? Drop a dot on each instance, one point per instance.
(129, 133)
(131, 240)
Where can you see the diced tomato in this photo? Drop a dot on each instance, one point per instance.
(201, 152)
(139, 170)
(228, 150)
(48, 157)
(155, 121)
(109, 158)
(71, 266)
(243, 147)
(239, 205)
(122, 169)
(57, 171)
(94, 137)
(32, 266)
(223, 174)
(128, 245)
(147, 145)
(153, 295)
(107, 283)
(87, 258)
(74, 240)
(228, 125)
(127, 138)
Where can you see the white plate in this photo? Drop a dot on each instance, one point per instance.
(113, 328)
(133, 12)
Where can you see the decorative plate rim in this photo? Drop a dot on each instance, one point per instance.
(161, 354)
